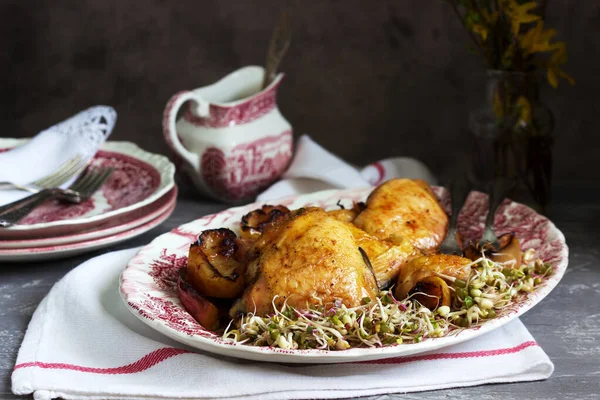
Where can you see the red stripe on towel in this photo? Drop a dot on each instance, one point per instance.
(160, 355)
(450, 356)
(142, 364)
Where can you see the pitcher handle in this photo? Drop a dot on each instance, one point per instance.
(170, 118)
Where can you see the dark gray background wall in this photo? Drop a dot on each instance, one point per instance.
(367, 79)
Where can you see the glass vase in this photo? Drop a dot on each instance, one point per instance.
(513, 135)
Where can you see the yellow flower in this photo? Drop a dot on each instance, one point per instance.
(537, 39)
(553, 73)
(490, 19)
(481, 31)
(519, 14)
(560, 53)
(559, 57)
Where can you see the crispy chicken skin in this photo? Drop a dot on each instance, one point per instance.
(405, 209)
(387, 258)
(306, 256)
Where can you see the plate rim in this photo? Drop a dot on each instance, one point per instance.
(163, 166)
(89, 245)
(170, 197)
(323, 356)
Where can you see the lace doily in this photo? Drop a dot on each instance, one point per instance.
(81, 135)
(87, 130)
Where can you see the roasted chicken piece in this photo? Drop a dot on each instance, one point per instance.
(213, 264)
(387, 258)
(345, 214)
(405, 209)
(306, 258)
(422, 275)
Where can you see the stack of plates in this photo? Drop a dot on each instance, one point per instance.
(139, 195)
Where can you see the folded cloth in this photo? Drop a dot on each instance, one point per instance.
(81, 135)
(314, 168)
(83, 343)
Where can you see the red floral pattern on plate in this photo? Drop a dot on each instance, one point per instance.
(164, 271)
(151, 294)
(173, 315)
(132, 181)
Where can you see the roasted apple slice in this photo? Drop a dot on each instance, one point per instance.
(203, 311)
(212, 265)
(432, 292)
(509, 252)
(418, 276)
(255, 221)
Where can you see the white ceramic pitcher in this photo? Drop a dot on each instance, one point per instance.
(232, 140)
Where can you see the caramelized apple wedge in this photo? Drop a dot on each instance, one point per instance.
(212, 266)
(509, 252)
(256, 221)
(203, 311)
(432, 292)
(419, 273)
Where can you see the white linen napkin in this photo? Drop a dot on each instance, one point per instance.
(314, 168)
(81, 135)
(83, 343)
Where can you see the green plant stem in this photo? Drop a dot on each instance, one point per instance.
(543, 4)
(473, 38)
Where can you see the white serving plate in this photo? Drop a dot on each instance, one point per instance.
(148, 283)
(140, 179)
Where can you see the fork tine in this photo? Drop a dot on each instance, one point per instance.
(84, 179)
(80, 166)
(81, 177)
(95, 183)
(62, 174)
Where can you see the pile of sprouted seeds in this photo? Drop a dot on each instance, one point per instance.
(490, 291)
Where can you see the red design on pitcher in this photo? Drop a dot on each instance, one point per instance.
(247, 168)
(243, 113)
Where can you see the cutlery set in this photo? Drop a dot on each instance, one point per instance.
(82, 189)
(497, 191)
(47, 188)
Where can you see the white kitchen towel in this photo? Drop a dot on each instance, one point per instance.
(83, 343)
(314, 168)
(81, 135)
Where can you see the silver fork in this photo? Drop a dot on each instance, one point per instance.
(459, 191)
(66, 171)
(82, 189)
(497, 191)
